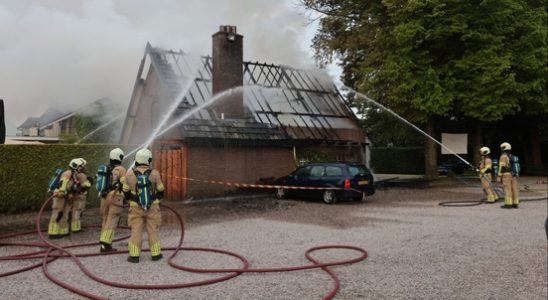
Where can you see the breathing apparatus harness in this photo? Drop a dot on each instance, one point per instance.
(145, 190)
(117, 185)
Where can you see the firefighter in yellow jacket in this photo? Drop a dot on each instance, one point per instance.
(485, 168)
(79, 197)
(73, 183)
(509, 180)
(143, 188)
(112, 199)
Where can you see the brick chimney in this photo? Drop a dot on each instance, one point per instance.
(227, 59)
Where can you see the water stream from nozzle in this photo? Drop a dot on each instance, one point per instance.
(185, 116)
(405, 121)
(171, 109)
(98, 128)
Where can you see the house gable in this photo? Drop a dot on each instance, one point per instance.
(300, 104)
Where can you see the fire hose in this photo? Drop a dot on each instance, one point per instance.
(497, 190)
(52, 252)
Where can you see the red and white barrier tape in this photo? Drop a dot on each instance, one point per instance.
(253, 185)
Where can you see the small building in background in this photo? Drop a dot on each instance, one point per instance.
(57, 122)
(281, 117)
(48, 127)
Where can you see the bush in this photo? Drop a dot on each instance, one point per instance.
(27, 169)
(534, 170)
(398, 160)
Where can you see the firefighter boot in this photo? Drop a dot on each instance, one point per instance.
(133, 259)
(107, 248)
(157, 257)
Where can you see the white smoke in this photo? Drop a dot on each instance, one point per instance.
(59, 52)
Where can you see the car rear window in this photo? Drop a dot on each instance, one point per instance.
(358, 170)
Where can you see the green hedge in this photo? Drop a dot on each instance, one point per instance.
(397, 160)
(27, 169)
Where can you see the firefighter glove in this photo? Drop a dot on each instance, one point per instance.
(130, 196)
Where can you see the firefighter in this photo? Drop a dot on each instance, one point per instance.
(144, 189)
(508, 178)
(80, 195)
(112, 199)
(485, 169)
(73, 182)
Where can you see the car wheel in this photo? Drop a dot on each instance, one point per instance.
(280, 193)
(329, 197)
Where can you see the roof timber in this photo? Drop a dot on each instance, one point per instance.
(302, 104)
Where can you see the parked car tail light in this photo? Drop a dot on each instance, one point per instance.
(347, 184)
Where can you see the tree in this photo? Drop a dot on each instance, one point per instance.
(82, 126)
(386, 130)
(97, 123)
(429, 60)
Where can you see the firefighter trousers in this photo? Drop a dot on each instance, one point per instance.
(111, 208)
(139, 220)
(77, 206)
(488, 187)
(510, 184)
(58, 223)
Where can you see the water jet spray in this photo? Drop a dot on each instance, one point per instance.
(407, 122)
(97, 129)
(159, 131)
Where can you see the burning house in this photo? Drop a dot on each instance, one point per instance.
(271, 118)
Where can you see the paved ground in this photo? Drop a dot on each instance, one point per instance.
(417, 249)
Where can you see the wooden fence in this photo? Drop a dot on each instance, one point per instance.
(172, 164)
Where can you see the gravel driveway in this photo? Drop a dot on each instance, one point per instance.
(417, 250)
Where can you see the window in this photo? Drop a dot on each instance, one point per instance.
(333, 171)
(357, 170)
(317, 171)
(304, 171)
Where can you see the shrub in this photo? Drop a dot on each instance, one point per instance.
(26, 170)
(398, 160)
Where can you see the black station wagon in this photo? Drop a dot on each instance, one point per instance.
(344, 180)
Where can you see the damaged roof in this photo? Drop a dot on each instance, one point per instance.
(47, 117)
(61, 112)
(280, 102)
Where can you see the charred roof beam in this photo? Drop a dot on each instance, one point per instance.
(300, 114)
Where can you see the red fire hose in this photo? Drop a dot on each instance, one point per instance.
(52, 251)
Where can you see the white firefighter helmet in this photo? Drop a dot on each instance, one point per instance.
(505, 146)
(485, 150)
(143, 157)
(76, 163)
(84, 162)
(116, 154)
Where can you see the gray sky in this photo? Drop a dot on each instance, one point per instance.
(56, 52)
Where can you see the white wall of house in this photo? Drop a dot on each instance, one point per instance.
(52, 130)
(33, 131)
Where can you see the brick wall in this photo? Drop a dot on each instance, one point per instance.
(236, 164)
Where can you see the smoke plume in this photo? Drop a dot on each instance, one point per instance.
(57, 53)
